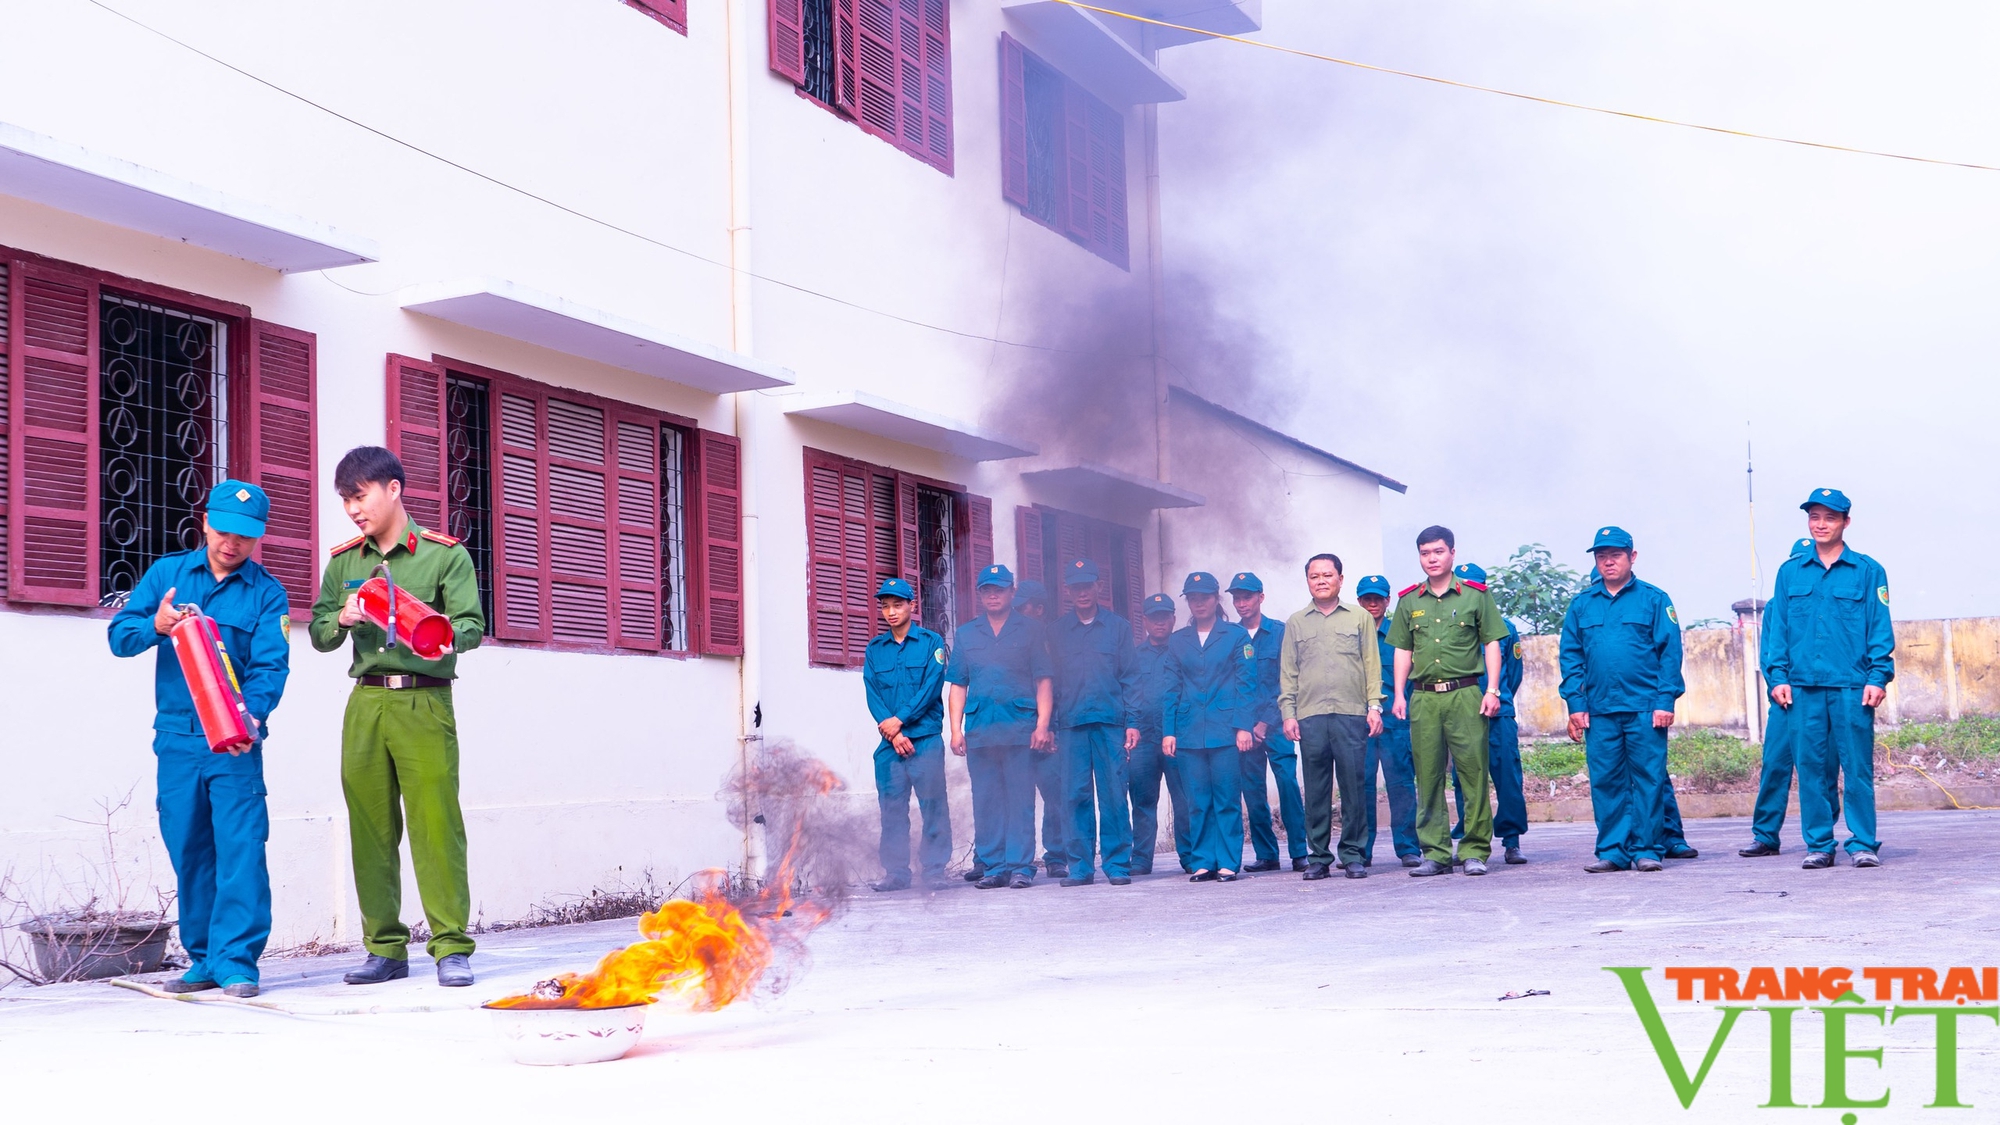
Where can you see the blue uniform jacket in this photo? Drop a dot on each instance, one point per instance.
(1268, 643)
(1211, 689)
(999, 674)
(1389, 718)
(251, 613)
(906, 680)
(1149, 689)
(1622, 653)
(1095, 665)
(1510, 670)
(1829, 626)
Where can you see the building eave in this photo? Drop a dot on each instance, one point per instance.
(884, 418)
(1182, 394)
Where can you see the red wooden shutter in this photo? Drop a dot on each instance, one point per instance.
(283, 457)
(935, 110)
(982, 531)
(788, 38)
(579, 522)
(636, 622)
(722, 545)
(837, 534)
(1075, 157)
(1028, 545)
(884, 548)
(416, 436)
(1098, 549)
(1072, 543)
(52, 427)
(846, 85)
(1013, 122)
(1133, 549)
(673, 13)
(909, 540)
(520, 531)
(876, 68)
(1108, 235)
(5, 456)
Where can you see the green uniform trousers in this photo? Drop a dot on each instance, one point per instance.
(399, 758)
(1446, 728)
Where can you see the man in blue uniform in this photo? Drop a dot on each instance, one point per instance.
(1503, 742)
(1829, 653)
(1390, 750)
(1211, 680)
(1269, 747)
(1774, 786)
(902, 675)
(1091, 648)
(1621, 673)
(1031, 600)
(212, 812)
(1148, 766)
(997, 714)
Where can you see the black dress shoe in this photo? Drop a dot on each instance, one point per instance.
(1357, 871)
(989, 882)
(1513, 855)
(976, 874)
(1226, 876)
(1146, 870)
(1818, 860)
(1682, 851)
(1079, 881)
(1021, 882)
(241, 990)
(890, 885)
(1202, 877)
(454, 970)
(1119, 880)
(1411, 860)
(1056, 870)
(1262, 865)
(1867, 859)
(1760, 848)
(1300, 864)
(1648, 863)
(1315, 871)
(1430, 867)
(377, 969)
(183, 987)
(1604, 865)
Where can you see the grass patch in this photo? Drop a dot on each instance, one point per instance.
(1969, 738)
(1552, 761)
(1711, 758)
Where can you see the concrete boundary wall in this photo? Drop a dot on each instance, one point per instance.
(1944, 669)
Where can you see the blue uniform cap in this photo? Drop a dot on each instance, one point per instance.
(995, 575)
(1082, 572)
(1470, 572)
(238, 508)
(1201, 582)
(1159, 603)
(1611, 537)
(896, 588)
(1029, 592)
(1372, 584)
(1831, 497)
(1246, 583)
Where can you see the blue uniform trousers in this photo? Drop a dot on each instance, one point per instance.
(1627, 758)
(1053, 786)
(1675, 836)
(214, 822)
(1510, 812)
(1390, 752)
(896, 778)
(1833, 738)
(1774, 786)
(1003, 808)
(1213, 779)
(1100, 790)
(1281, 754)
(1147, 769)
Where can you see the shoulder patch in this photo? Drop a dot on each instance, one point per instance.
(1882, 592)
(351, 543)
(1408, 590)
(285, 626)
(1672, 616)
(1479, 586)
(438, 537)
(1517, 650)
(938, 655)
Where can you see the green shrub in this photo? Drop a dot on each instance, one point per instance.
(1552, 761)
(1974, 736)
(1711, 758)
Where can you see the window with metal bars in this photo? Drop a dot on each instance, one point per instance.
(1044, 91)
(1062, 154)
(163, 412)
(468, 477)
(884, 64)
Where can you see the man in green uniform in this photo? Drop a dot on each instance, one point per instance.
(1446, 633)
(399, 739)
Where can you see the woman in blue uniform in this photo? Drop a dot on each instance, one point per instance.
(1211, 683)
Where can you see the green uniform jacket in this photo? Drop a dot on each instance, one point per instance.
(1445, 635)
(430, 567)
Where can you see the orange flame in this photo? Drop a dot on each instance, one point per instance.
(707, 949)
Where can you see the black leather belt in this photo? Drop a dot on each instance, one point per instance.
(402, 683)
(1449, 685)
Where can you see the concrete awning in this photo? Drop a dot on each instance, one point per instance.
(532, 317)
(1079, 44)
(1224, 17)
(868, 414)
(1112, 488)
(114, 191)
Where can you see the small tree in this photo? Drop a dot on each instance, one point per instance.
(1534, 589)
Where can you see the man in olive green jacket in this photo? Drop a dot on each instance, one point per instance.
(399, 738)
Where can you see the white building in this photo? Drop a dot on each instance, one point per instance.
(692, 319)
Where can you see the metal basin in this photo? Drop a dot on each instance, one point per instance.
(568, 1036)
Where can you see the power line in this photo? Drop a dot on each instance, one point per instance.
(1627, 114)
(583, 215)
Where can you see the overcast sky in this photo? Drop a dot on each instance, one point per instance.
(1553, 320)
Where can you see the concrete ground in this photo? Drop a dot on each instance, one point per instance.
(1267, 999)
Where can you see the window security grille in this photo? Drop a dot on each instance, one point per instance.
(468, 480)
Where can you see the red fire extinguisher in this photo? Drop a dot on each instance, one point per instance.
(211, 680)
(424, 630)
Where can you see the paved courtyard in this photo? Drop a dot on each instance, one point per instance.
(1267, 999)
